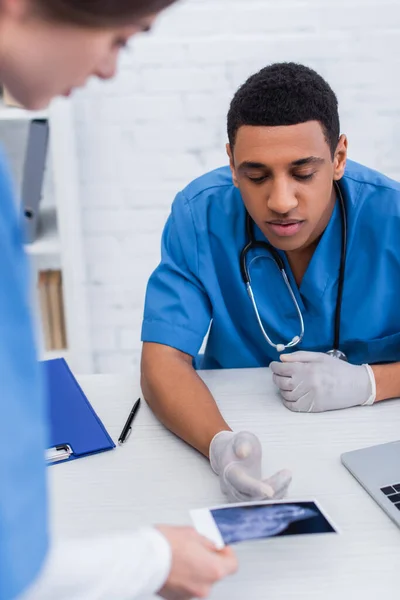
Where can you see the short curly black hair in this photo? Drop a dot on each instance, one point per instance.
(285, 94)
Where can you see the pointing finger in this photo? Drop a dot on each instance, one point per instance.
(280, 482)
(247, 485)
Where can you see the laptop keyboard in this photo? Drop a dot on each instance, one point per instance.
(392, 492)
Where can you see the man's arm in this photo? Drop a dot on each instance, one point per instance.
(181, 400)
(178, 397)
(177, 316)
(387, 378)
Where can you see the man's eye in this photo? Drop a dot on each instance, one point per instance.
(258, 179)
(304, 177)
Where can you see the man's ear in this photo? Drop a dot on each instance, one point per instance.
(232, 164)
(340, 158)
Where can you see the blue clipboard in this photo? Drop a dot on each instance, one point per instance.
(75, 428)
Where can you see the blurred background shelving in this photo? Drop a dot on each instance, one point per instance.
(58, 247)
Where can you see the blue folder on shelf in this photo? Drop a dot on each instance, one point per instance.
(75, 428)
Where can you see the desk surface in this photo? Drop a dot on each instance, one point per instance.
(157, 478)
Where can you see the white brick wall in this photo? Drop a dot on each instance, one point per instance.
(162, 123)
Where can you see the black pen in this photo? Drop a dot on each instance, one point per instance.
(127, 430)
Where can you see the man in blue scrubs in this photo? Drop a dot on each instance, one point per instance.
(286, 155)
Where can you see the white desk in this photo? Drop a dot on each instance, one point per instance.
(156, 477)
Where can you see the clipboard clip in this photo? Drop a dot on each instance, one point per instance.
(58, 453)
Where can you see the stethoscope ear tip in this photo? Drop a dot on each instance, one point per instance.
(282, 347)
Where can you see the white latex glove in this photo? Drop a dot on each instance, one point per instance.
(316, 382)
(237, 459)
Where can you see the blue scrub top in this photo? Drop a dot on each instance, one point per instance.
(198, 281)
(23, 524)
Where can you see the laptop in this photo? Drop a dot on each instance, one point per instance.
(377, 469)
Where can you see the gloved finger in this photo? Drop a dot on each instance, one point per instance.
(304, 405)
(246, 445)
(280, 483)
(287, 384)
(233, 494)
(293, 395)
(247, 485)
(304, 357)
(282, 369)
(293, 406)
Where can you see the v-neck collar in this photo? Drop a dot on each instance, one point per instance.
(323, 269)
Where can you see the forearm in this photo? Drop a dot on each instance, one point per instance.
(387, 378)
(178, 396)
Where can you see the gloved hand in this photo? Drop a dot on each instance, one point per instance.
(237, 458)
(316, 382)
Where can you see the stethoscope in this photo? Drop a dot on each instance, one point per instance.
(253, 244)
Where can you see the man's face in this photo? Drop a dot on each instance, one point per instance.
(285, 175)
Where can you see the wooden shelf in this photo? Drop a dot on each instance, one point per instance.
(60, 242)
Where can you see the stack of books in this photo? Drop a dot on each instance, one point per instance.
(52, 310)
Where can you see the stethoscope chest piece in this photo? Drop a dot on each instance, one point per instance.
(337, 354)
(252, 244)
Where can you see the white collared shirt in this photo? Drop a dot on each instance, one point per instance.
(118, 567)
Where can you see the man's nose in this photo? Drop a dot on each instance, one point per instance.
(281, 197)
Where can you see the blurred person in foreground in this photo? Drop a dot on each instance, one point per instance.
(47, 49)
